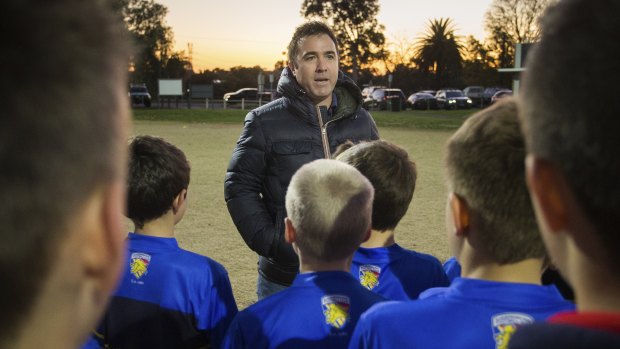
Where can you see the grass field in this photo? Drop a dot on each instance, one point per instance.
(431, 119)
(208, 138)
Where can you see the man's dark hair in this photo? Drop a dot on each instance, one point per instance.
(569, 107)
(308, 29)
(158, 172)
(392, 174)
(60, 127)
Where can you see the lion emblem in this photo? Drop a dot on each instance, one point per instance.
(505, 325)
(336, 310)
(139, 264)
(369, 276)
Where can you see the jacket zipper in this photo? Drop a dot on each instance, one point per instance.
(323, 127)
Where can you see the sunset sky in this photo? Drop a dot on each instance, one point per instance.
(225, 34)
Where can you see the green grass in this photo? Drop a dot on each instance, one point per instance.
(418, 119)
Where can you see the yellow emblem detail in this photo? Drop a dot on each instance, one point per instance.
(336, 310)
(504, 335)
(505, 325)
(335, 315)
(369, 276)
(139, 264)
(369, 280)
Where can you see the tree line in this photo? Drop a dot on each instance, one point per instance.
(437, 59)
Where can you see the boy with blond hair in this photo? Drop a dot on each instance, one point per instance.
(329, 210)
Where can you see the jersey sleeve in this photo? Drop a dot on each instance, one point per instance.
(220, 307)
(360, 337)
(234, 336)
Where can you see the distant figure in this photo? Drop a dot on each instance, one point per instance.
(168, 297)
(492, 232)
(63, 124)
(319, 109)
(329, 205)
(573, 167)
(380, 263)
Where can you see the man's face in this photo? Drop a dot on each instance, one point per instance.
(316, 67)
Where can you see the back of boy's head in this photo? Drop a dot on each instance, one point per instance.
(62, 126)
(392, 174)
(485, 164)
(158, 172)
(570, 112)
(330, 205)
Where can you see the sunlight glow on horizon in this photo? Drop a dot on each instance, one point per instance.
(226, 34)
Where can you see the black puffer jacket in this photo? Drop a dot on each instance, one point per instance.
(277, 139)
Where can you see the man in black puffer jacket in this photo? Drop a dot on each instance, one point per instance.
(320, 108)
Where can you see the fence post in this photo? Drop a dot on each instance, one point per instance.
(207, 103)
(242, 103)
(224, 104)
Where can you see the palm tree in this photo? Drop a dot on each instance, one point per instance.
(439, 52)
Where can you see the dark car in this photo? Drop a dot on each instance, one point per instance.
(247, 94)
(474, 93)
(422, 100)
(489, 92)
(386, 99)
(430, 92)
(452, 99)
(500, 94)
(139, 94)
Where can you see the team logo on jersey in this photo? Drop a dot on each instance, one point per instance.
(139, 264)
(504, 326)
(336, 310)
(369, 276)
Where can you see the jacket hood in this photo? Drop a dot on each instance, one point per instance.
(348, 94)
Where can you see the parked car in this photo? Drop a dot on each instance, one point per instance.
(452, 99)
(500, 94)
(421, 100)
(247, 94)
(366, 91)
(139, 94)
(489, 92)
(386, 99)
(430, 92)
(474, 93)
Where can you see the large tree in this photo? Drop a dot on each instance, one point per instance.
(401, 50)
(438, 52)
(479, 67)
(146, 22)
(360, 36)
(509, 22)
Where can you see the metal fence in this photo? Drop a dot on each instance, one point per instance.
(205, 103)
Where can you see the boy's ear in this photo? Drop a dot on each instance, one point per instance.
(103, 242)
(289, 231)
(460, 213)
(291, 66)
(548, 190)
(179, 200)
